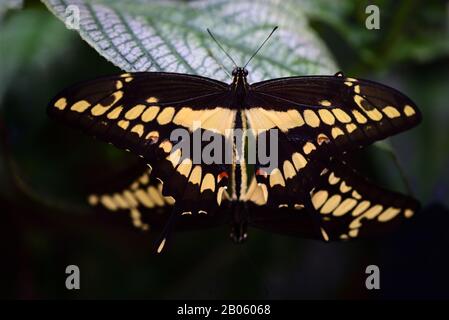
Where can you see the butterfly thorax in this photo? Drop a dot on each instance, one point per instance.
(239, 87)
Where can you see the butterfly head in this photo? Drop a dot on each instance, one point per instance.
(239, 72)
(239, 82)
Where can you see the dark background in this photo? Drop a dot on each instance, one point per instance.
(45, 167)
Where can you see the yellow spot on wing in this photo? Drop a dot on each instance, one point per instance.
(325, 103)
(220, 192)
(80, 106)
(134, 112)
(130, 198)
(319, 198)
(353, 233)
(368, 214)
(166, 115)
(123, 124)
(344, 187)
(208, 183)
(373, 211)
(138, 128)
(143, 198)
(359, 117)
(408, 213)
(174, 157)
(331, 204)
(333, 179)
(166, 146)
(156, 196)
(263, 120)
(296, 117)
(108, 203)
(170, 200)
(195, 176)
(184, 167)
(93, 200)
(119, 201)
(345, 206)
(61, 103)
(326, 116)
(336, 131)
(289, 170)
(388, 214)
(374, 114)
(356, 195)
(311, 118)
(98, 110)
(276, 178)
(299, 161)
(152, 100)
(341, 115)
(351, 127)
(150, 113)
(114, 114)
(308, 147)
(391, 112)
(409, 111)
(362, 206)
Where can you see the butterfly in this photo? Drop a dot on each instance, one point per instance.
(312, 191)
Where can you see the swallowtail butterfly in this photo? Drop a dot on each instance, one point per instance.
(311, 193)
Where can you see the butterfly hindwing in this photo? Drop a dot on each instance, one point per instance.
(138, 194)
(350, 206)
(344, 205)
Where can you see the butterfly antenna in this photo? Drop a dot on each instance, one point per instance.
(222, 67)
(260, 47)
(222, 49)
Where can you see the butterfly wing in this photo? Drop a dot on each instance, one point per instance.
(334, 112)
(147, 114)
(318, 117)
(135, 192)
(345, 205)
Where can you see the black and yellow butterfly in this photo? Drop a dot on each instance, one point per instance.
(312, 192)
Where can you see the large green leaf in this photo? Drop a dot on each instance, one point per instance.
(171, 36)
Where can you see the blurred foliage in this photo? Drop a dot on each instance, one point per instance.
(46, 168)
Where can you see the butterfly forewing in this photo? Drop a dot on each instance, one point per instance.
(318, 117)
(141, 112)
(337, 112)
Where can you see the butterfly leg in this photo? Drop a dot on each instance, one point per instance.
(167, 232)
